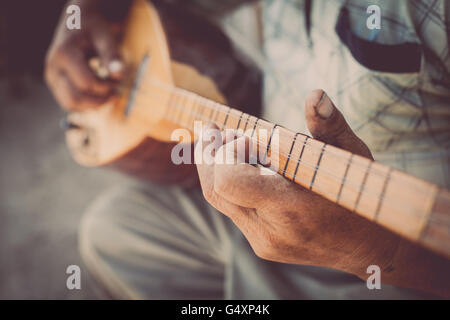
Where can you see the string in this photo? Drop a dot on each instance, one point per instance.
(348, 183)
(207, 103)
(215, 107)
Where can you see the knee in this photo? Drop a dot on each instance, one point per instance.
(98, 225)
(116, 216)
(105, 231)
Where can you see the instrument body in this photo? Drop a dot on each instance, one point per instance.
(202, 62)
(119, 134)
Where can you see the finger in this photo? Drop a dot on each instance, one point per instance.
(208, 141)
(228, 135)
(62, 89)
(107, 47)
(244, 184)
(67, 95)
(73, 62)
(326, 123)
(236, 148)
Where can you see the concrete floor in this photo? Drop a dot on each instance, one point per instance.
(42, 196)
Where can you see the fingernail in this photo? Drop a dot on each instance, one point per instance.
(325, 107)
(96, 66)
(115, 66)
(102, 73)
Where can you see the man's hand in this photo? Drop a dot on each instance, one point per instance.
(73, 82)
(77, 87)
(286, 223)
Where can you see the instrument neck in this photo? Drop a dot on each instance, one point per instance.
(383, 195)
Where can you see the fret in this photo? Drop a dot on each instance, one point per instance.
(317, 166)
(187, 111)
(366, 175)
(438, 209)
(254, 127)
(435, 231)
(174, 107)
(290, 154)
(327, 165)
(383, 191)
(233, 119)
(202, 107)
(226, 118)
(344, 178)
(193, 108)
(168, 107)
(211, 105)
(268, 144)
(179, 114)
(216, 116)
(425, 231)
(373, 189)
(300, 158)
(352, 181)
(246, 122)
(239, 122)
(410, 206)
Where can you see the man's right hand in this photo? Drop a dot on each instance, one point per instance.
(75, 85)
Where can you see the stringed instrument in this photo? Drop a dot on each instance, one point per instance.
(162, 95)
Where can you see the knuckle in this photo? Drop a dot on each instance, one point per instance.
(221, 180)
(69, 41)
(264, 246)
(48, 76)
(89, 84)
(70, 102)
(268, 240)
(220, 155)
(224, 181)
(262, 252)
(59, 54)
(52, 61)
(49, 59)
(208, 194)
(91, 102)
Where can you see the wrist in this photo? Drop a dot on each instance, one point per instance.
(378, 248)
(418, 268)
(402, 264)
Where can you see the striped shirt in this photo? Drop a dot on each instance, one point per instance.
(392, 84)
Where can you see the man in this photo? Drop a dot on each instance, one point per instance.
(271, 238)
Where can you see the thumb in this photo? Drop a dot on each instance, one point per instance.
(326, 123)
(107, 46)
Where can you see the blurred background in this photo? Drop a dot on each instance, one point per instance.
(43, 193)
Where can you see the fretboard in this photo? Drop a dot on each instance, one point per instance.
(391, 198)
